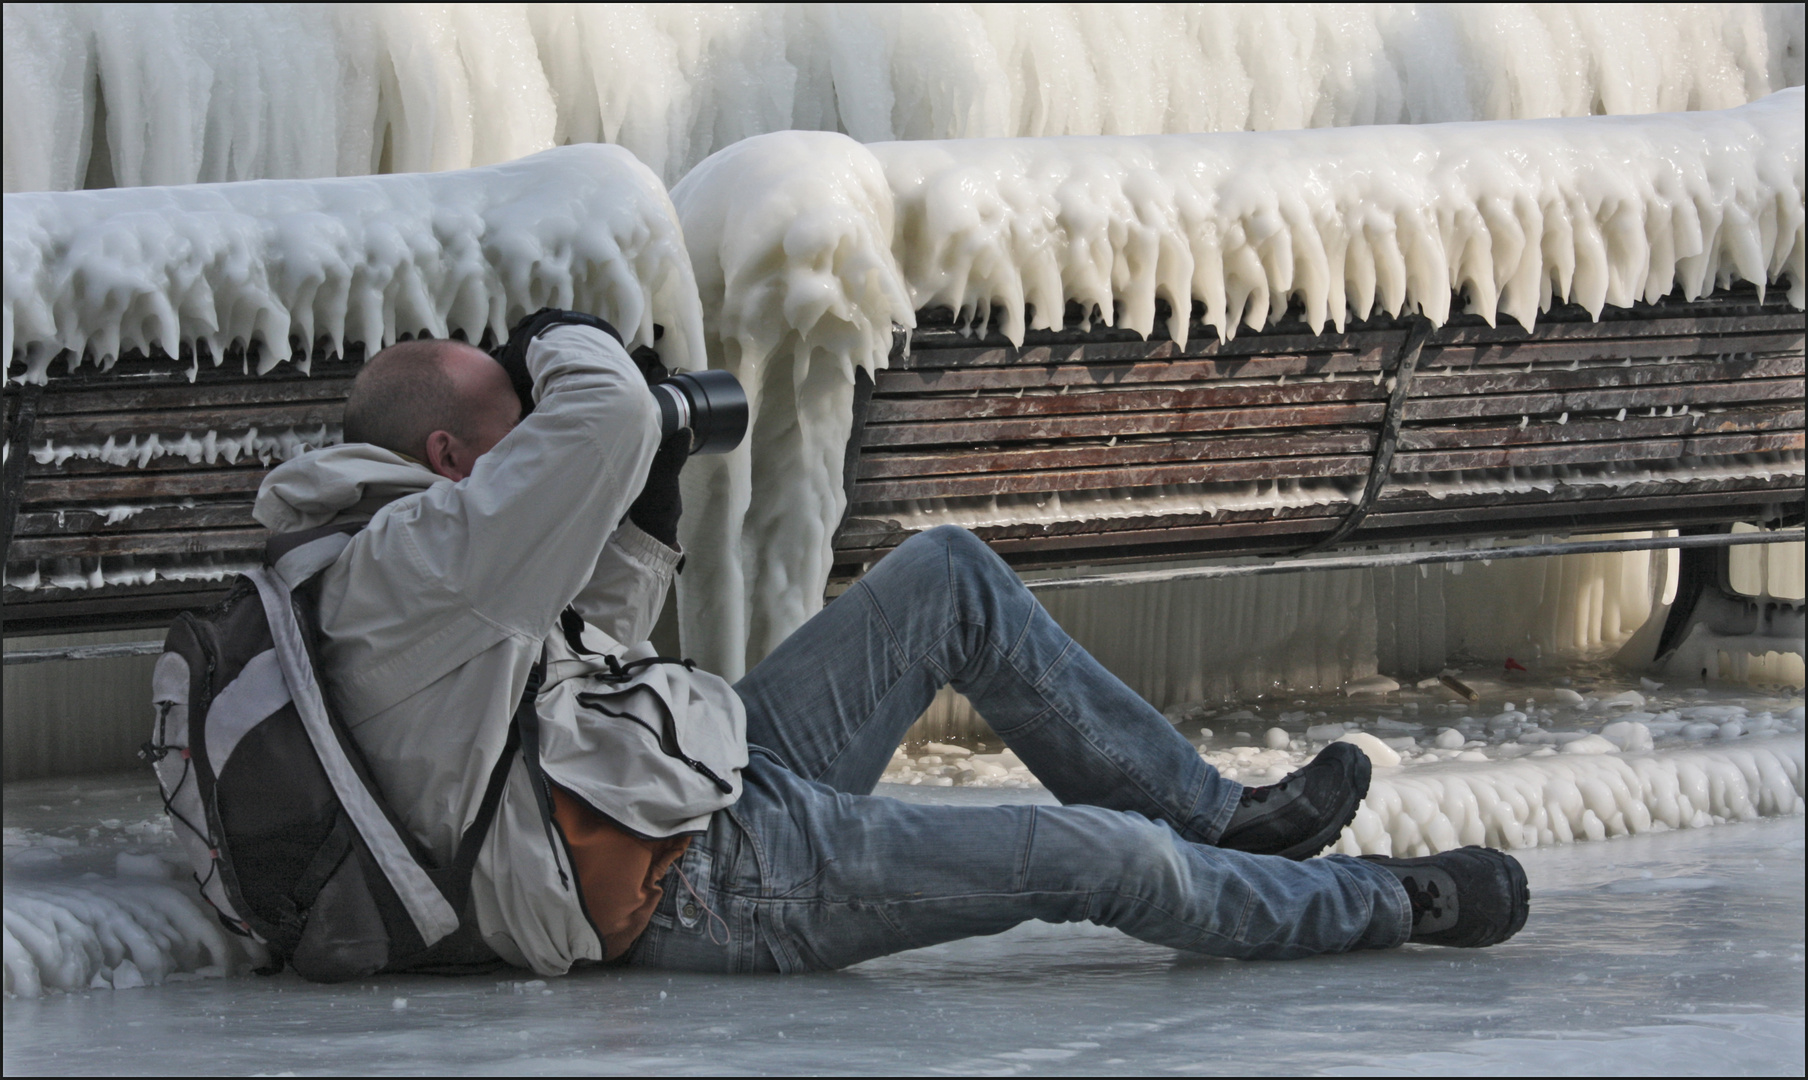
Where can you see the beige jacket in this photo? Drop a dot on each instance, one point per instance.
(435, 614)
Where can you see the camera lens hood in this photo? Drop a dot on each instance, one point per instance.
(714, 407)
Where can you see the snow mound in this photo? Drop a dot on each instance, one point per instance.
(95, 933)
(1532, 802)
(289, 264)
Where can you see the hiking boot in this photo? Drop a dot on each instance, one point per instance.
(1301, 816)
(1468, 898)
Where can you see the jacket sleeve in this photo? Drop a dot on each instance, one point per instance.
(519, 538)
(628, 586)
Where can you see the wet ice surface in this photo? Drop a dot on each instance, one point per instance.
(1674, 952)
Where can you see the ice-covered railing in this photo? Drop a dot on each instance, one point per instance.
(137, 94)
(292, 264)
(808, 247)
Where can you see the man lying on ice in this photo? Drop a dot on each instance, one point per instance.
(686, 823)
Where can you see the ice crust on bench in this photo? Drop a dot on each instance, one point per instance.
(811, 247)
(294, 263)
(1598, 211)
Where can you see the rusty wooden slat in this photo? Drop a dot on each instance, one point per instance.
(1139, 539)
(1606, 399)
(1151, 399)
(125, 487)
(1164, 396)
(1437, 383)
(1032, 375)
(109, 607)
(186, 542)
(1523, 353)
(127, 396)
(224, 421)
(1024, 429)
(1682, 500)
(1688, 496)
(168, 463)
(1633, 427)
(79, 521)
(1294, 444)
(1095, 479)
(1473, 344)
(1597, 453)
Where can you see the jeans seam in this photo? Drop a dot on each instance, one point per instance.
(891, 633)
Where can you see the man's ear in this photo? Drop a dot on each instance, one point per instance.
(443, 454)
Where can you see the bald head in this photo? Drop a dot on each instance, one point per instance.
(443, 403)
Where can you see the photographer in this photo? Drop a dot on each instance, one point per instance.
(504, 551)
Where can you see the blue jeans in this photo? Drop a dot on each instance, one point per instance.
(810, 871)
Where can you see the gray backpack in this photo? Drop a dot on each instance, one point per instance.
(289, 837)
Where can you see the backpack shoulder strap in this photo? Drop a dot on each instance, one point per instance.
(298, 556)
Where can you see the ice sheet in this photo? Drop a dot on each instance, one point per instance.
(208, 92)
(294, 263)
(1655, 954)
(809, 261)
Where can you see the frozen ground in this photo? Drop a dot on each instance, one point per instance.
(1677, 952)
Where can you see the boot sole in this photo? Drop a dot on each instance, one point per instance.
(1327, 834)
(1522, 894)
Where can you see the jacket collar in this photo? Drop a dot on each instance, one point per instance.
(320, 486)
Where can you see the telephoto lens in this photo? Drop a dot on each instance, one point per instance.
(709, 404)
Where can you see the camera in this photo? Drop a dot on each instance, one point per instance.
(710, 404)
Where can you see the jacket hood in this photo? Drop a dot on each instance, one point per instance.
(313, 489)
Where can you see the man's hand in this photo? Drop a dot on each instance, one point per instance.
(513, 356)
(656, 510)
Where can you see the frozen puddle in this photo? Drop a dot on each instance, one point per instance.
(1679, 952)
(1529, 764)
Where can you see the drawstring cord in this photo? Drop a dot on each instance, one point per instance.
(707, 910)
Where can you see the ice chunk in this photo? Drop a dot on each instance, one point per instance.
(1379, 752)
(1628, 735)
(1373, 684)
(1275, 739)
(1324, 732)
(1449, 739)
(1590, 744)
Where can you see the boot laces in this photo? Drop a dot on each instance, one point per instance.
(1279, 787)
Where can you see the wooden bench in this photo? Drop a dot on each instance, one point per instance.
(116, 540)
(1638, 421)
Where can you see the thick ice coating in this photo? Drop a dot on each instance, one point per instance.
(136, 94)
(1509, 216)
(291, 263)
(1580, 796)
(790, 237)
(109, 934)
(1505, 218)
